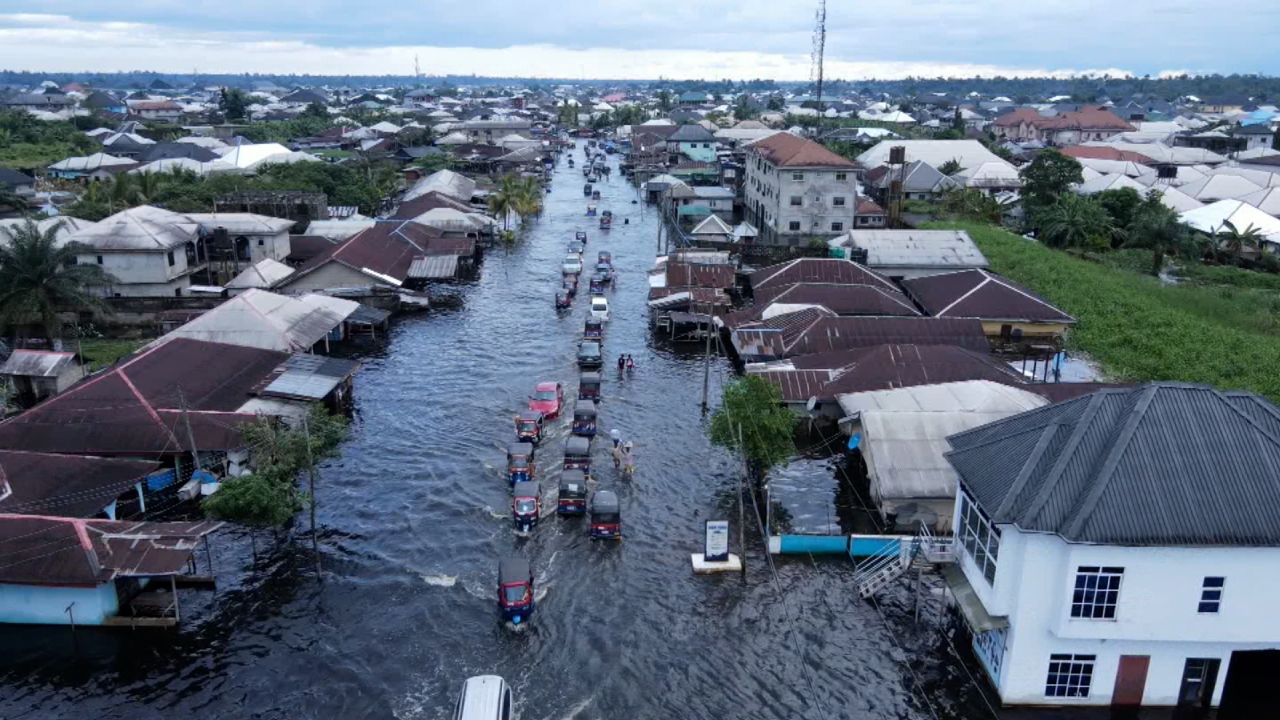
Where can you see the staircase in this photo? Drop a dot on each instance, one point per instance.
(893, 560)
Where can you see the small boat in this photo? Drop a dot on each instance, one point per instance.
(526, 506)
(572, 499)
(515, 590)
(606, 516)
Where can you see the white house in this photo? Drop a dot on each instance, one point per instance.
(796, 189)
(1120, 549)
(149, 251)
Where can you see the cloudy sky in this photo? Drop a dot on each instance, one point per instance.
(647, 39)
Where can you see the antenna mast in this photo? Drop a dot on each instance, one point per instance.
(417, 71)
(819, 49)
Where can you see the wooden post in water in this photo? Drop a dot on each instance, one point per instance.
(311, 485)
(742, 511)
(706, 362)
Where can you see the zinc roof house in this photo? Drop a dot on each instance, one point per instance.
(260, 319)
(1110, 549)
(969, 153)
(1214, 217)
(98, 166)
(37, 374)
(1012, 316)
(74, 571)
(913, 253)
(149, 251)
(33, 483)
(795, 188)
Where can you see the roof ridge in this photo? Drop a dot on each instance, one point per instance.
(960, 299)
(1047, 434)
(1091, 410)
(1084, 507)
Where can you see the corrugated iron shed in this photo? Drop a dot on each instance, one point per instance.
(37, 363)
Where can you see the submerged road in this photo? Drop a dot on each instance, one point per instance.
(415, 515)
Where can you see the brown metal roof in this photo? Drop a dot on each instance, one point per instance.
(884, 367)
(134, 408)
(388, 248)
(842, 333)
(840, 298)
(681, 274)
(65, 485)
(983, 295)
(795, 385)
(411, 209)
(818, 270)
(43, 550)
(787, 150)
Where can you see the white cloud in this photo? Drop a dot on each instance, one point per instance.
(63, 44)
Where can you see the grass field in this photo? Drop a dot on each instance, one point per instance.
(1221, 328)
(101, 352)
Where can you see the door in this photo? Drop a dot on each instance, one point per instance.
(1131, 680)
(1199, 677)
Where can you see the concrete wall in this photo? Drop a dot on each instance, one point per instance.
(331, 275)
(41, 605)
(1156, 613)
(131, 268)
(817, 190)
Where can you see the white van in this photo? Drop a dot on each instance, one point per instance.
(484, 697)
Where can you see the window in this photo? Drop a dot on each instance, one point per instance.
(1069, 676)
(795, 201)
(171, 260)
(798, 177)
(1096, 593)
(838, 201)
(1211, 594)
(794, 226)
(177, 292)
(99, 259)
(841, 177)
(981, 541)
(261, 242)
(837, 226)
(989, 647)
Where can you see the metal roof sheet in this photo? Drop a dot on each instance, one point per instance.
(37, 363)
(1158, 464)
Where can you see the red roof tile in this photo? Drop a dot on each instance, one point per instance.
(787, 150)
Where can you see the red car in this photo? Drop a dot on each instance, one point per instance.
(547, 398)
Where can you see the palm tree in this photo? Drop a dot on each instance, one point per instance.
(1074, 221)
(9, 200)
(39, 278)
(500, 203)
(1158, 227)
(1232, 241)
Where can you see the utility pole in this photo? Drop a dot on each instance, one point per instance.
(742, 512)
(706, 363)
(191, 438)
(311, 489)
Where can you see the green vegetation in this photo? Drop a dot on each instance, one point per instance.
(28, 143)
(40, 279)
(104, 352)
(1075, 221)
(1225, 334)
(753, 407)
(1045, 179)
(270, 496)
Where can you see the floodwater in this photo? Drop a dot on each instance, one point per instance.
(414, 517)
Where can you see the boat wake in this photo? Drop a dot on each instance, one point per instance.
(446, 581)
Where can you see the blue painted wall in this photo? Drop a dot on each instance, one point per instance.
(40, 605)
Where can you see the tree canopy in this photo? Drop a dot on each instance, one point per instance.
(1045, 179)
(39, 278)
(755, 406)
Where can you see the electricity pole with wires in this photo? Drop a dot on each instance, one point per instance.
(742, 511)
(311, 489)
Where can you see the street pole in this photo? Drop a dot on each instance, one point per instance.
(742, 511)
(191, 438)
(311, 482)
(706, 363)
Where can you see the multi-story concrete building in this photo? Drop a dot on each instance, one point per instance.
(1118, 549)
(797, 190)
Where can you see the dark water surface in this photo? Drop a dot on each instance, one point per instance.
(414, 518)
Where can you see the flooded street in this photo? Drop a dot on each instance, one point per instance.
(415, 515)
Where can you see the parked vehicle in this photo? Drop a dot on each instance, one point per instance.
(592, 329)
(584, 418)
(529, 427)
(515, 590)
(563, 301)
(526, 506)
(577, 453)
(547, 398)
(581, 236)
(572, 265)
(600, 308)
(606, 516)
(572, 498)
(586, 189)
(589, 386)
(589, 354)
(484, 697)
(519, 462)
